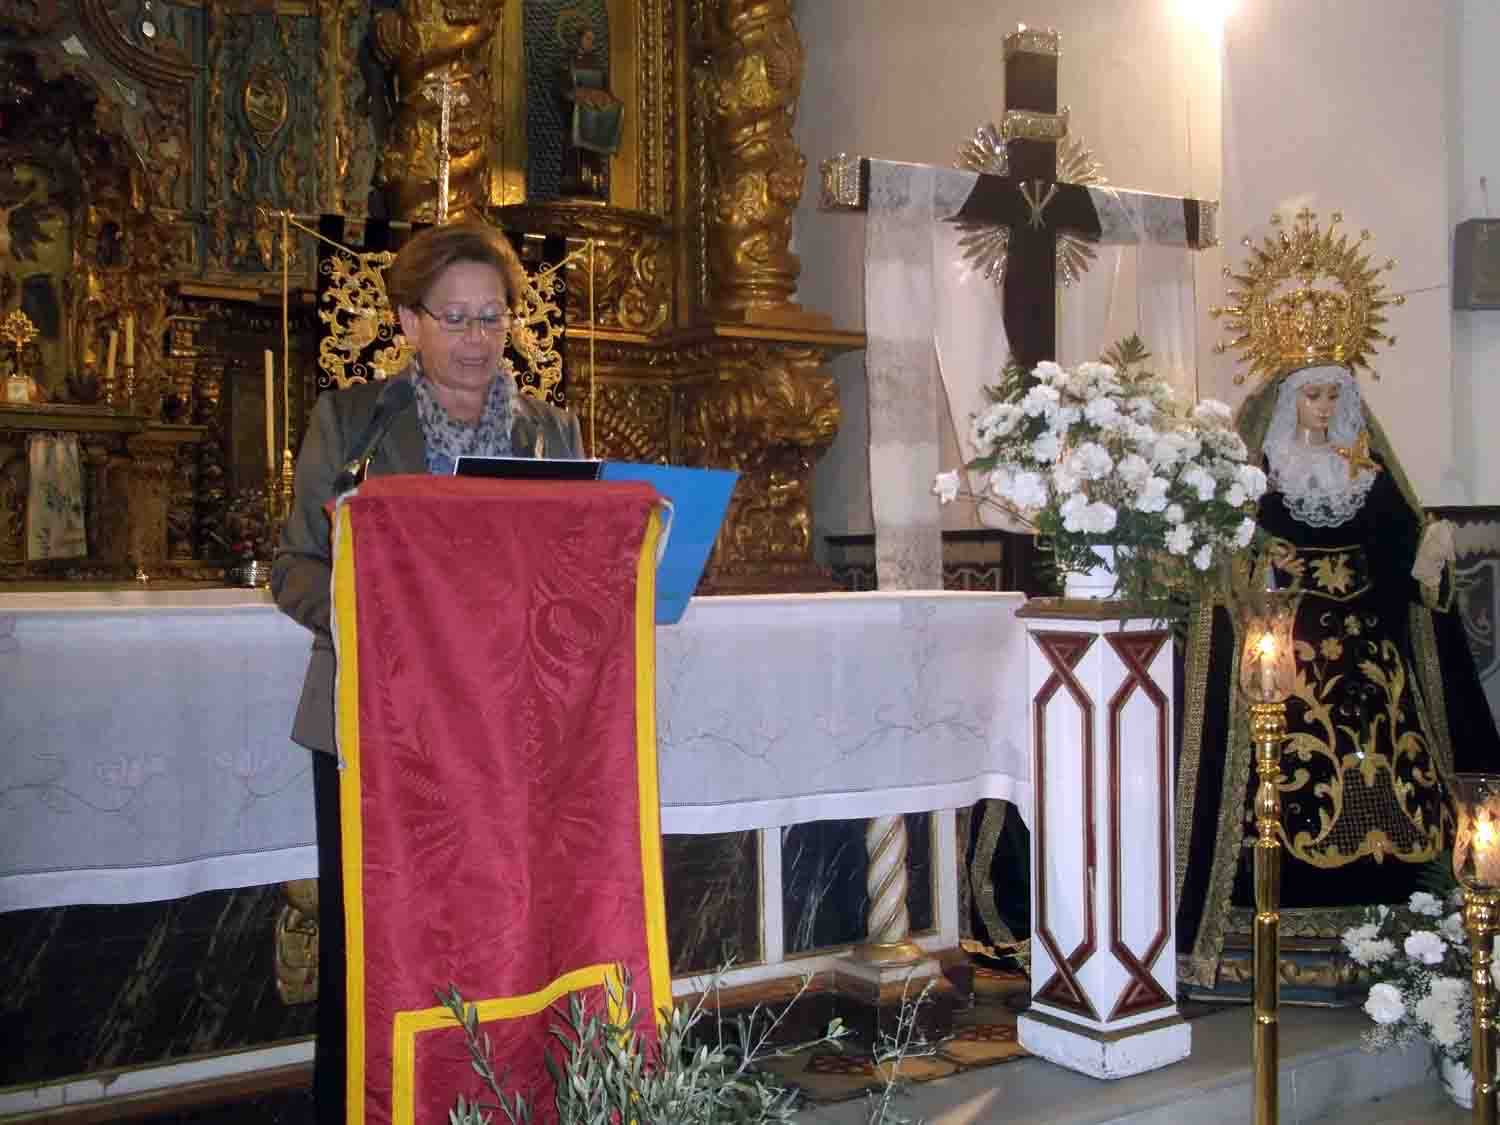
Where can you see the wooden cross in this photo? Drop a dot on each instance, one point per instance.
(1031, 203)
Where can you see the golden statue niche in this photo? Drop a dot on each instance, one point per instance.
(437, 50)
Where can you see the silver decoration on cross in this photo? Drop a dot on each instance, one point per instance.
(441, 89)
(985, 246)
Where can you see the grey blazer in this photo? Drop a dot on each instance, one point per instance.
(303, 571)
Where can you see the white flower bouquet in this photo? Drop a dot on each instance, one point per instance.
(1102, 454)
(1417, 955)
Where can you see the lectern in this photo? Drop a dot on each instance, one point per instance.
(496, 728)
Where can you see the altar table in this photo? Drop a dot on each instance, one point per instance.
(144, 751)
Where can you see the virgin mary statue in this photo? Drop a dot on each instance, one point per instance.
(1386, 705)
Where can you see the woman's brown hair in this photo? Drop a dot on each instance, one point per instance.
(422, 260)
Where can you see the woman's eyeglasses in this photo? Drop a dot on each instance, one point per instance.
(452, 321)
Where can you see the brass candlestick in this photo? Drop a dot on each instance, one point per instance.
(1267, 676)
(1482, 920)
(1267, 730)
(1476, 864)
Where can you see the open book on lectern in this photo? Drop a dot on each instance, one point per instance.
(698, 499)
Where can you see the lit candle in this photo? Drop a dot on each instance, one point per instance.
(270, 414)
(130, 339)
(1486, 850)
(109, 359)
(1266, 651)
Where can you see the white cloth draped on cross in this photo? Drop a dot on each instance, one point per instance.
(930, 314)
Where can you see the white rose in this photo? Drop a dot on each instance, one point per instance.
(1252, 480)
(1235, 496)
(1425, 946)
(1204, 556)
(1212, 412)
(1229, 444)
(997, 421)
(1356, 934)
(1101, 411)
(1134, 469)
(1244, 533)
(1092, 461)
(1377, 949)
(1166, 451)
(1200, 481)
(1180, 539)
(1048, 372)
(1029, 490)
(1440, 1010)
(1046, 448)
(1174, 513)
(1384, 1005)
(1422, 902)
(1099, 372)
(1152, 496)
(1452, 929)
(946, 487)
(1040, 401)
(1073, 512)
(1099, 518)
(1141, 406)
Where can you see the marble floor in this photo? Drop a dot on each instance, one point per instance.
(1326, 1079)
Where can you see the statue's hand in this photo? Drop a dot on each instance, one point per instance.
(1434, 553)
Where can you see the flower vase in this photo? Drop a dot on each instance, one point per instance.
(1458, 1082)
(1095, 583)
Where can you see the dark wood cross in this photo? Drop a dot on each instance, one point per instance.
(1024, 196)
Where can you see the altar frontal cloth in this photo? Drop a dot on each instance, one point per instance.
(496, 724)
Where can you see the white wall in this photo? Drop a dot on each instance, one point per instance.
(1384, 109)
(1344, 105)
(1474, 93)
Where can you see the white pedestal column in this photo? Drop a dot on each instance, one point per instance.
(1103, 919)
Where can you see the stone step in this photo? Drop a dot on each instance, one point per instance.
(1325, 1077)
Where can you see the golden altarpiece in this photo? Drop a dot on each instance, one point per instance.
(149, 148)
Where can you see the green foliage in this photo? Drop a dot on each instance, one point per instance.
(703, 1071)
(604, 1074)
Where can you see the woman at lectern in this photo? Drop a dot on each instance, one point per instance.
(455, 289)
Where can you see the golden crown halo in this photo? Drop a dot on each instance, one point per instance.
(1306, 295)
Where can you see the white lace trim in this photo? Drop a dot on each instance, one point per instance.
(1312, 479)
(1314, 482)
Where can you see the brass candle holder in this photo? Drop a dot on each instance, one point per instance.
(1267, 675)
(1476, 864)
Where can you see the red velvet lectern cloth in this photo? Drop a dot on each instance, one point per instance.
(496, 722)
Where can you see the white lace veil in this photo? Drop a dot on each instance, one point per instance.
(1313, 479)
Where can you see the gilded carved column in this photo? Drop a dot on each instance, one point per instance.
(755, 178)
(431, 43)
(769, 409)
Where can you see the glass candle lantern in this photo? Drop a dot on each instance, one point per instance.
(1476, 845)
(1267, 663)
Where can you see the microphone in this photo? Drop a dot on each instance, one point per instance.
(394, 397)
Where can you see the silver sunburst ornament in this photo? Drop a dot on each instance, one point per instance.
(986, 246)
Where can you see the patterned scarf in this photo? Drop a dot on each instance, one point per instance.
(447, 440)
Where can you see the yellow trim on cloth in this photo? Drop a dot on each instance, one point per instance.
(409, 1024)
(649, 803)
(346, 721)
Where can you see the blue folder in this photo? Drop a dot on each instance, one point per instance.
(698, 500)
